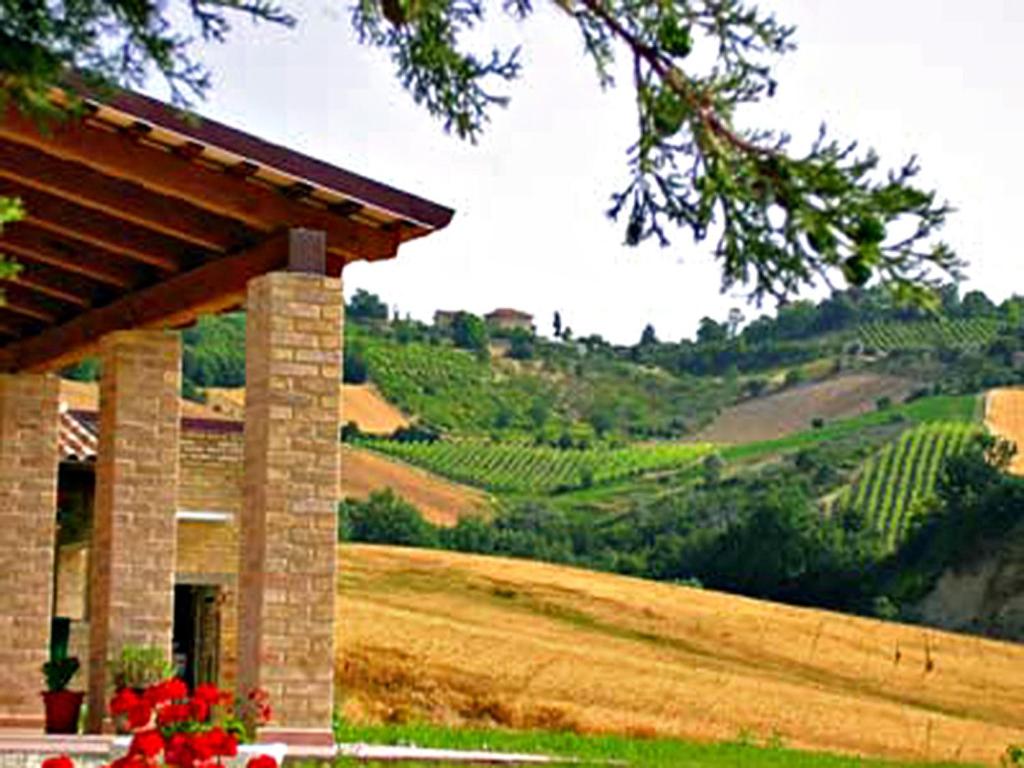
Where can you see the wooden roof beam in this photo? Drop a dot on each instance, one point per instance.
(166, 173)
(122, 238)
(52, 283)
(75, 183)
(20, 301)
(28, 243)
(213, 287)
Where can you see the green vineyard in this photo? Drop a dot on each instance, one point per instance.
(450, 388)
(886, 337)
(903, 474)
(538, 469)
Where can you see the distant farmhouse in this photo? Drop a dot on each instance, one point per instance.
(443, 318)
(510, 320)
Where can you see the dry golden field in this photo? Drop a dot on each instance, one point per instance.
(361, 403)
(461, 639)
(1004, 416)
(793, 409)
(441, 501)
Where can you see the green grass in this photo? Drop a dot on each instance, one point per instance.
(523, 468)
(746, 751)
(946, 408)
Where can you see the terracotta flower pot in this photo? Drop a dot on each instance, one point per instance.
(62, 710)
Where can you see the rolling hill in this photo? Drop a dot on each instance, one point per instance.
(461, 639)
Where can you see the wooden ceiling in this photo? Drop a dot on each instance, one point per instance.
(138, 216)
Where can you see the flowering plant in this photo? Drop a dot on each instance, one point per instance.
(196, 730)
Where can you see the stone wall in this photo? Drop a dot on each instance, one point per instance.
(28, 497)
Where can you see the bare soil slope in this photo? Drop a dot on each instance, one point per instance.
(441, 501)
(361, 403)
(792, 410)
(468, 639)
(1004, 416)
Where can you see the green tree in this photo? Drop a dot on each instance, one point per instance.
(648, 337)
(469, 332)
(384, 518)
(366, 306)
(784, 216)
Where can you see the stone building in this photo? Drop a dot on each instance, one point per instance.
(504, 319)
(140, 221)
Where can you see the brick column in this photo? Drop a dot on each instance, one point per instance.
(28, 505)
(289, 523)
(131, 595)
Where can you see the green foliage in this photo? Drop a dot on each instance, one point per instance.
(965, 332)
(112, 41)
(355, 369)
(976, 503)
(59, 671)
(469, 332)
(523, 468)
(139, 666)
(366, 306)
(384, 518)
(898, 481)
(213, 352)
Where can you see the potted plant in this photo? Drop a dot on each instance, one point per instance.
(140, 666)
(62, 706)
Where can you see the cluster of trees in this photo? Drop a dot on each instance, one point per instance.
(799, 331)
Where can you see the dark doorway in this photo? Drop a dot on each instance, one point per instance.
(196, 633)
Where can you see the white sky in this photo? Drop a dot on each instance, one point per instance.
(940, 78)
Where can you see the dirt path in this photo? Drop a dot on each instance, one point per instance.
(1004, 416)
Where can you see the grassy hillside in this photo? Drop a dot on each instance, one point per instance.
(460, 639)
(456, 391)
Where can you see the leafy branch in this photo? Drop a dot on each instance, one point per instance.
(780, 219)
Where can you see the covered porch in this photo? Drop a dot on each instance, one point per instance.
(139, 220)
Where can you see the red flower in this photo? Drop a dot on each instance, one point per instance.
(198, 710)
(211, 694)
(62, 761)
(131, 761)
(147, 743)
(139, 715)
(262, 761)
(168, 690)
(179, 752)
(123, 700)
(218, 743)
(169, 714)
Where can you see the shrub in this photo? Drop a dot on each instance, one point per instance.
(384, 518)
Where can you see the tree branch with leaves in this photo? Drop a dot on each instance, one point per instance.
(780, 219)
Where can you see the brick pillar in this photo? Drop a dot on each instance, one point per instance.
(131, 594)
(29, 418)
(289, 522)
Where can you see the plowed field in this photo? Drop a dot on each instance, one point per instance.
(1004, 416)
(793, 410)
(463, 639)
